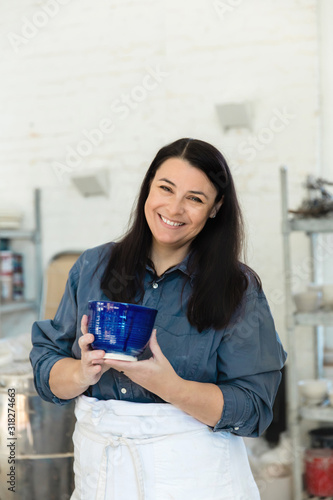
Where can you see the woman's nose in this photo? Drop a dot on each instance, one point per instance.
(176, 206)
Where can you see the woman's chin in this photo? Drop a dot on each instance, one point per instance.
(167, 239)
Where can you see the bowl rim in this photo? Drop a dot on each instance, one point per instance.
(136, 306)
(311, 380)
(307, 293)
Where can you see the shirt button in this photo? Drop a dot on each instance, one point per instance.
(155, 285)
(123, 390)
(236, 428)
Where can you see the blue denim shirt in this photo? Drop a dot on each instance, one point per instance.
(244, 359)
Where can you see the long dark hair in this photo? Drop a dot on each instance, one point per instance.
(221, 278)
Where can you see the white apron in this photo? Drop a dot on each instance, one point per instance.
(148, 451)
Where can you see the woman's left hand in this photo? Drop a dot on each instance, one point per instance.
(154, 374)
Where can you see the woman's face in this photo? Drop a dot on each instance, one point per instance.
(180, 201)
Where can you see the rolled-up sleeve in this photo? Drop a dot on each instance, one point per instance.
(250, 359)
(53, 339)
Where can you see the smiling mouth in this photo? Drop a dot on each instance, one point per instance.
(170, 222)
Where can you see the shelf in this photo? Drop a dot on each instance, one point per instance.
(32, 236)
(318, 225)
(311, 226)
(14, 307)
(314, 318)
(322, 414)
(307, 496)
(17, 234)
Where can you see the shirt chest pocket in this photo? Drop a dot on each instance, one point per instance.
(182, 344)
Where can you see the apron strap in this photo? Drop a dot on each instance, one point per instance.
(114, 442)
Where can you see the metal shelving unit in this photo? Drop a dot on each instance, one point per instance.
(33, 236)
(322, 414)
(316, 319)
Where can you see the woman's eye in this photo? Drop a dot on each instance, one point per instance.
(169, 190)
(194, 198)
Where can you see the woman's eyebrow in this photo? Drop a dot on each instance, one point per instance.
(193, 192)
(166, 180)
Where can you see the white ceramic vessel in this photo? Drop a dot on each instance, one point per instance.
(307, 301)
(314, 391)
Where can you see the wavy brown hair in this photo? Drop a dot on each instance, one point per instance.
(221, 278)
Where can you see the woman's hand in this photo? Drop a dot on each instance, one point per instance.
(154, 374)
(71, 377)
(92, 364)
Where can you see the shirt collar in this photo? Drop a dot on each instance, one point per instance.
(181, 266)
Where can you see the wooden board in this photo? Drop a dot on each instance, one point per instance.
(56, 278)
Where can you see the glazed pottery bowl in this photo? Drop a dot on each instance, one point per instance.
(121, 330)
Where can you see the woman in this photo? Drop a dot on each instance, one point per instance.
(214, 355)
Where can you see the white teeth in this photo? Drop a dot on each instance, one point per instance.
(171, 223)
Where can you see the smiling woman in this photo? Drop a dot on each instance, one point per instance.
(214, 354)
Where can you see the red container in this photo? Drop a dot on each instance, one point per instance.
(6, 263)
(319, 472)
(11, 276)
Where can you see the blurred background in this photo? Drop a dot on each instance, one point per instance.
(91, 90)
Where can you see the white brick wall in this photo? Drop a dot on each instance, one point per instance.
(68, 77)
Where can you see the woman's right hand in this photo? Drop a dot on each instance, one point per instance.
(92, 364)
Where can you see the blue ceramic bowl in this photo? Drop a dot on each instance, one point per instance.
(121, 330)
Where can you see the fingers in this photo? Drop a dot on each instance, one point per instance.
(153, 344)
(92, 360)
(87, 338)
(93, 356)
(89, 354)
(84, 324)
(85, 341)
(120, 366)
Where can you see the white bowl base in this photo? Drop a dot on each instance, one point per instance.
(118, 355)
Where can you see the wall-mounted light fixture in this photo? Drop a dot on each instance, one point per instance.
(92, 182)
(235, 115)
